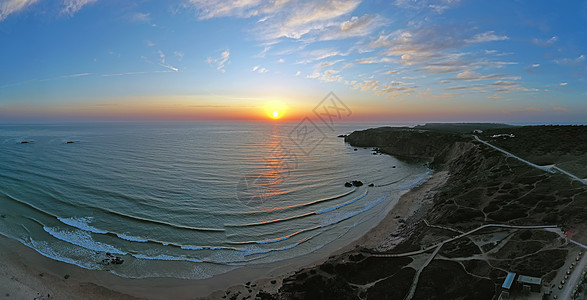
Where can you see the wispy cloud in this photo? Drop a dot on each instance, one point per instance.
(546, 42)
(293, 18)
(8, 7)
(570, 61)
(474, 76)
(301, 19)
(259, 69)
(391, 89)
(439, 6)
(179, 55)
(172, 68)
(354, 27)
(139, 17)
(221, 61)
(488, 36)
(73, 6)
(320, 54)
(208, 9)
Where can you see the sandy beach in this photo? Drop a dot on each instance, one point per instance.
(25, 274)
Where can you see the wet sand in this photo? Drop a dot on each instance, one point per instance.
(25, 274)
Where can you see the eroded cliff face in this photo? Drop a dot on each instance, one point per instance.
(435, 147)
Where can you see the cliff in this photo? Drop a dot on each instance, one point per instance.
(403, 142)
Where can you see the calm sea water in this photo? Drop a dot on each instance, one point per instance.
(188, 200)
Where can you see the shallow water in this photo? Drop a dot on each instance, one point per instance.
(188, 200)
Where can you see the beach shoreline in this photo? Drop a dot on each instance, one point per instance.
(27, 274)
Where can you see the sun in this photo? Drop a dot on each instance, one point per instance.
(275, 110)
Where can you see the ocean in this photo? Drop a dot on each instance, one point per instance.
(190, 200)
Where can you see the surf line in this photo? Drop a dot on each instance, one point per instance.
(299, 216)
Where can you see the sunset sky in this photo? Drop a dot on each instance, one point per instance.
(430, 60)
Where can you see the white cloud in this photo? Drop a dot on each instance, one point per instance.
(305, 18)
(535, 65)
(259, 69)
(73, 6)
(373, 60)
(283, 18)
(298, 73)
(320, 54)
(208, 9)
(221, 61)
(179, 54)
(474, 76)
(8, 7)
(140, 17)
(545, 43)
(327, 64)
(488, 36)
(563, 83)
(161, 55)
(570, 62)
(355, 27)
(391, 89)
(169, 67)
(439, 6)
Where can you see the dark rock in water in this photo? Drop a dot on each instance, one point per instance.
(66, 276)
(342, 135)
(117, 261)
(273, 281)
(70, 142)
(371, 185)
(357, 183)
(24, 142)
(374, 153)
(393, 167)
(356, 149)
(112, 260)
(348, 184)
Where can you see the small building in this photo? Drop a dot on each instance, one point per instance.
(529, 282)
(509, 280)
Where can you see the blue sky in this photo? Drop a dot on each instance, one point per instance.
(429, 60)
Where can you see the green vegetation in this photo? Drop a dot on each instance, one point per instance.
(462, 127)
(565, 146)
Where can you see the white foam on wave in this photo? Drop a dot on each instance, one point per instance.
(191, 247)
(329, 209)
(347, 215)
(43, 248)
(131, 238)
(167, 257)
(81, 223)
(81, 238)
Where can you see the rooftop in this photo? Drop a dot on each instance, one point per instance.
(509, 279)
(529, 279)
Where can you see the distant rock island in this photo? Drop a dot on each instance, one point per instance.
(510, 209)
